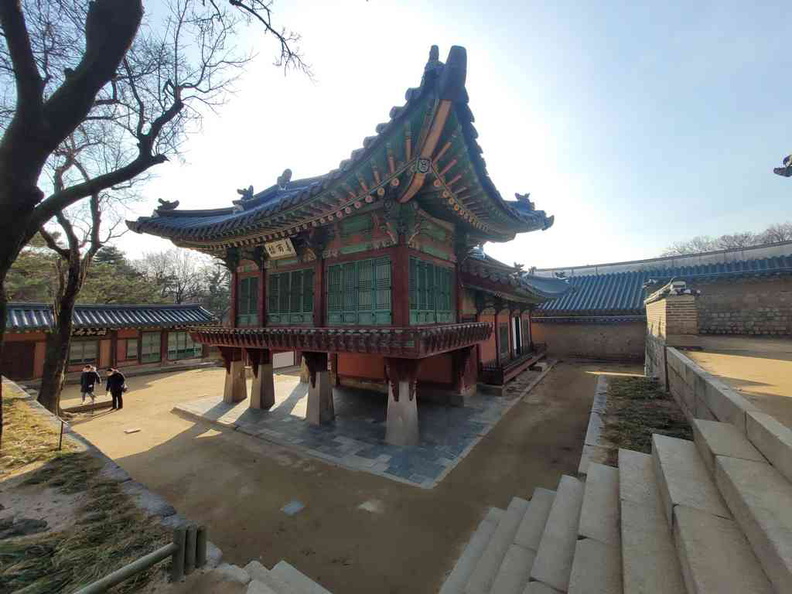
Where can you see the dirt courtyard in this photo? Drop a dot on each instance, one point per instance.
(358, 532)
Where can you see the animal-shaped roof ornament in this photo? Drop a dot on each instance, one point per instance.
(284, 178)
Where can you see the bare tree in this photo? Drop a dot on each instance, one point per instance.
(704, 243)
(84, 238)
(178, 273)
(776, 233)
(91, 73)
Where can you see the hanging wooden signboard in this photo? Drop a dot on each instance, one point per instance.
(280, 248)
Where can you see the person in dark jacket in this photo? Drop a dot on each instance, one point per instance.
(115, 385)
(88, 379)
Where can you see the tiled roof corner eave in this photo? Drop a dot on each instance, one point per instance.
(333, 181)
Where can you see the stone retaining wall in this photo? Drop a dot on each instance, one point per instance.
(746, 307)
(704, 396)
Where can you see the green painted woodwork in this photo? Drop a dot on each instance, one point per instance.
(431, 293)
(356, 225)
(436, 252)
(247, 302)
(290, 297)
(359, 293)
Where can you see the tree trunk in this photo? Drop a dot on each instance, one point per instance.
(3, 310)
(58, 341)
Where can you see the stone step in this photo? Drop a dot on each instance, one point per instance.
(596, 568)
(514, 570)
(682, 478)
(715, 556)
(257, 587)
(296, 581)
(487, 566)
(539, 588)
(456, 580)
(553, 562)
(533, 523)
(722, 439)
(760, 499)
(649, 560)
(599, 514)
(260, 574)
(771, 438)
(637, 482)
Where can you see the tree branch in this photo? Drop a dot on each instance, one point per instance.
(29, 84)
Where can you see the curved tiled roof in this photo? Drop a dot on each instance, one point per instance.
(539, 288)
(622, 293)
(283, 209)
(29, 317)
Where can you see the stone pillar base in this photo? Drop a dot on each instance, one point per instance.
(262, 393)
(320, 399)
(402, 421)
(320, 392)
(235, 386)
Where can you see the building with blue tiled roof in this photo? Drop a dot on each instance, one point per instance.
(124, 336)
(745, 291)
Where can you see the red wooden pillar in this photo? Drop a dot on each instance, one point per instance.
(319, 293)
(497, 339)
(234, 304)
(400, 286)
(458, 293)
(510, 327)
(261, 306)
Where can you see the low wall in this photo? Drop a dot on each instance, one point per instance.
(622, 341)
(702, 395)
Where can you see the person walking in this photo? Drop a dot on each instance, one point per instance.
(116, 385)
(88, 379)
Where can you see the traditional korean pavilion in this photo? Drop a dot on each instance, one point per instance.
(375, 268)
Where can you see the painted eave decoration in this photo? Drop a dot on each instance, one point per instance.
(427, 151)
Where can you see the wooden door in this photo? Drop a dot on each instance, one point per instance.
(18, 358)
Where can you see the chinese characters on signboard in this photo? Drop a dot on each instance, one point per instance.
(281, 248)
(90, 332)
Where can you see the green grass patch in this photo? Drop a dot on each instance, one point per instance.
(637, 408)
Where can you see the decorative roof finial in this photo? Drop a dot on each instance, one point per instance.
(166, 205)
(284, 178)
(525, 199)
(247, 194)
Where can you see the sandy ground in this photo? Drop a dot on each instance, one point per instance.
(760, 368)
(358, 532)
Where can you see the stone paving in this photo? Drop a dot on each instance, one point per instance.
(356, 439)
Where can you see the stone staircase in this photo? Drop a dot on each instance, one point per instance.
(283, 578)
(710, 516)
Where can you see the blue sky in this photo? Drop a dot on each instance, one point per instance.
(636, 126)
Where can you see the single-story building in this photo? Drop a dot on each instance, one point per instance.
(124, 336)
(745, 291)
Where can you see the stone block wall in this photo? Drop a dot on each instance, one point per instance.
(616, 341)
(702, 395)
(746, 307)
(655, 359)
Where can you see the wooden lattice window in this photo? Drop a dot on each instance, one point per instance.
(431, 293)
(503, 340)
(359, 292)
(150, 344)
(247, 301)
(290, 297)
